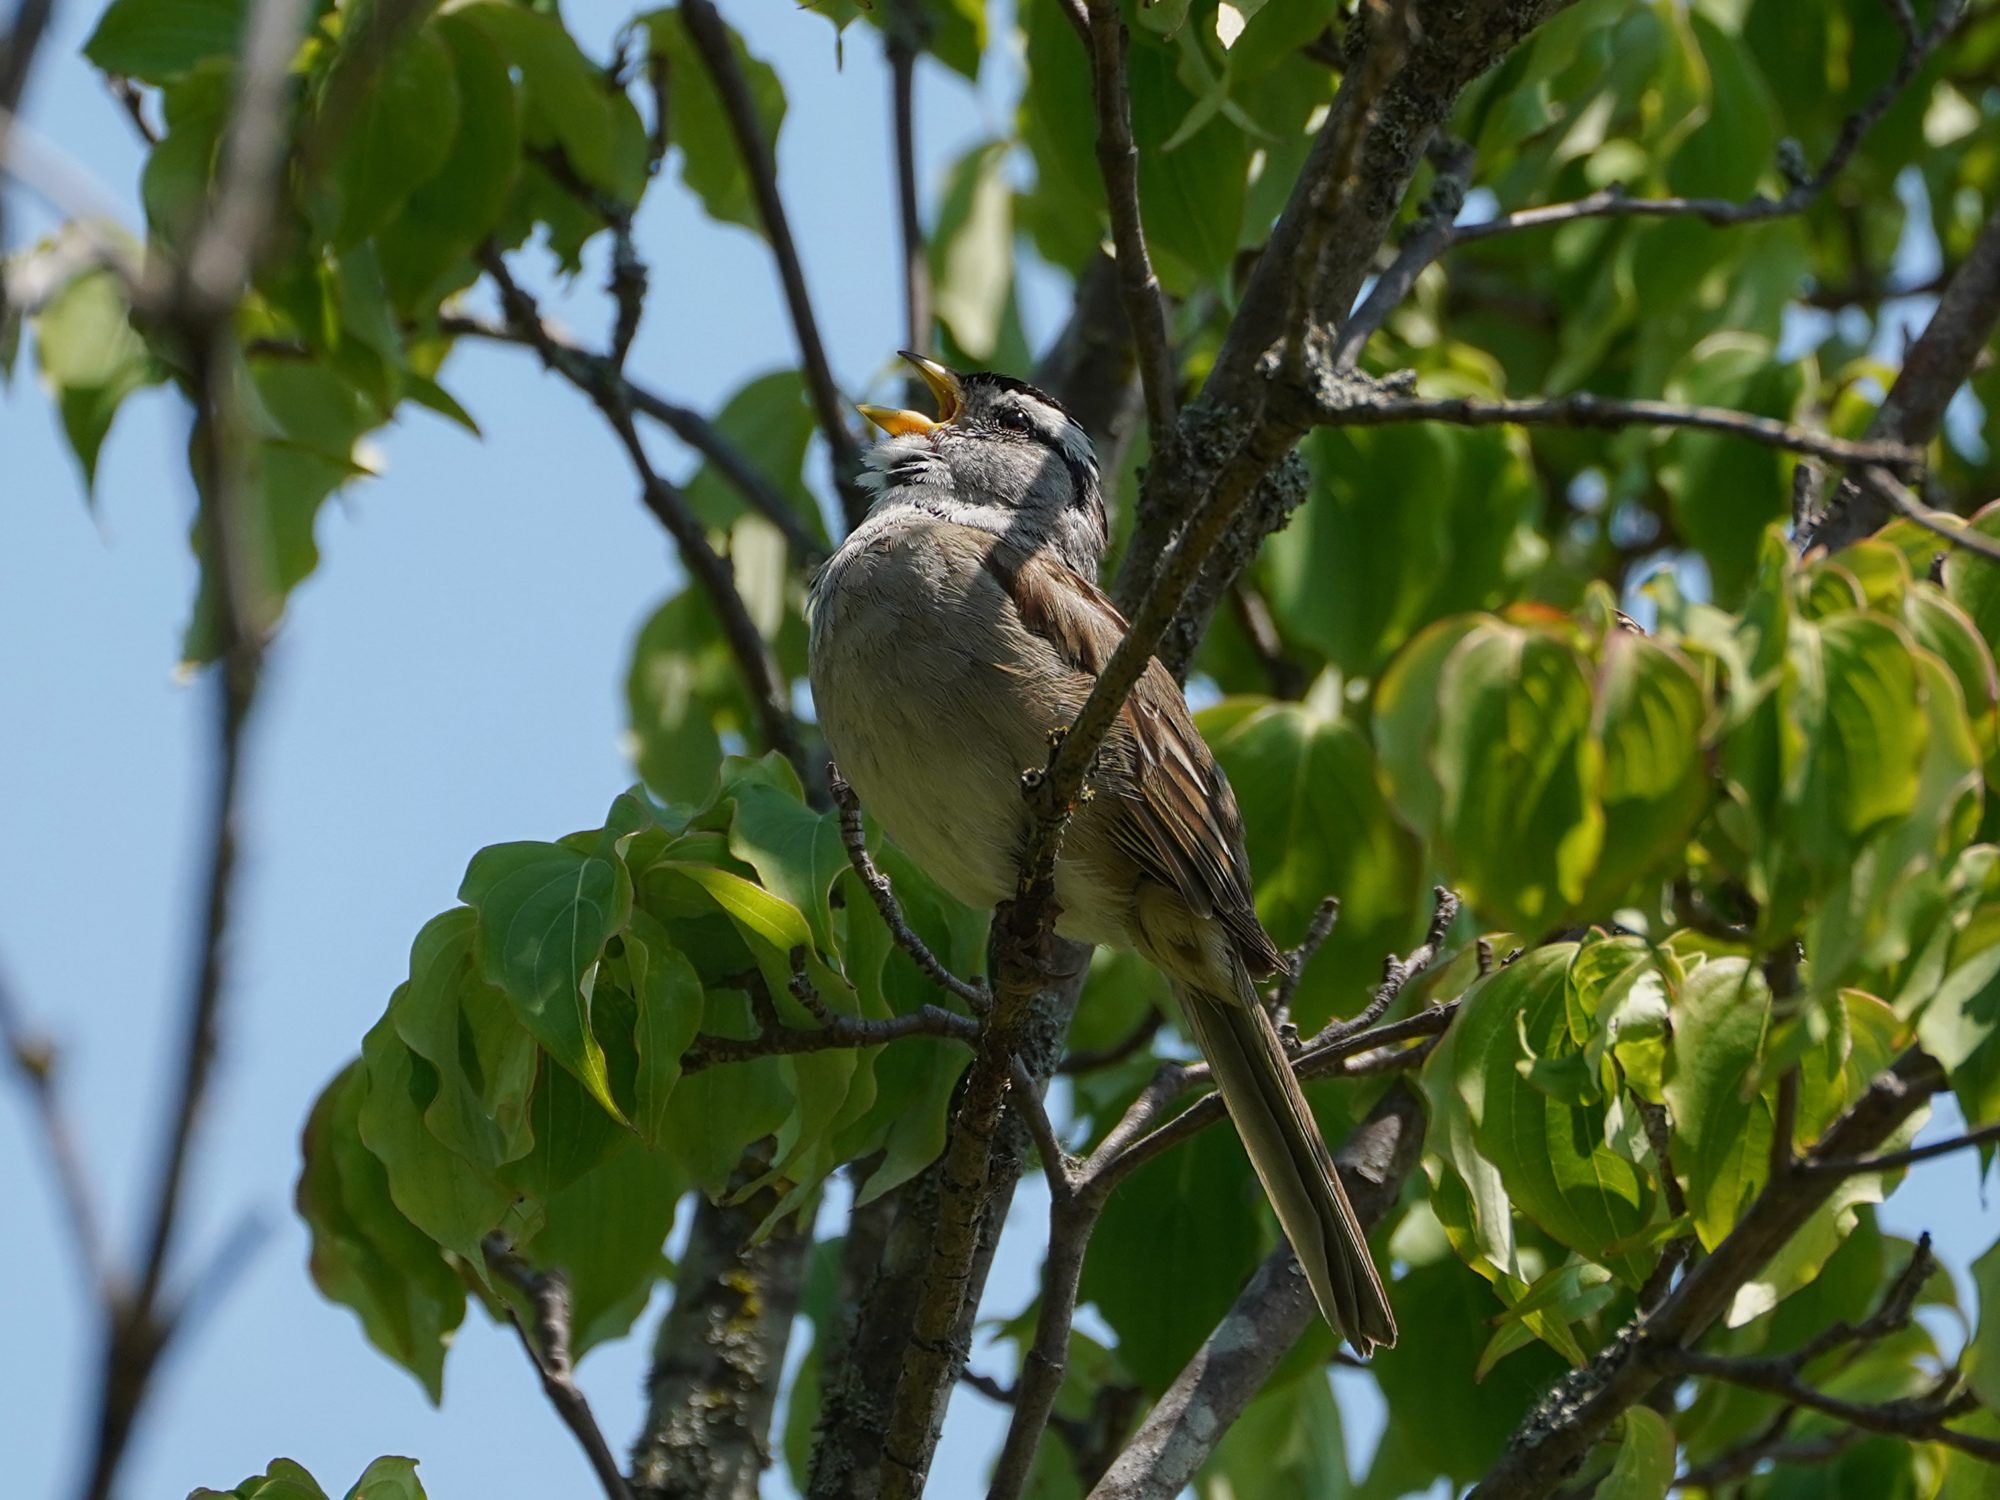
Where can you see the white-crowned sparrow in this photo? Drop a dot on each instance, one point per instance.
(959, 625)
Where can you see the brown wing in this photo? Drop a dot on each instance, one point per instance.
(1179, 820)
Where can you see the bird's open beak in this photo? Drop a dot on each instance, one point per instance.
(944, 385)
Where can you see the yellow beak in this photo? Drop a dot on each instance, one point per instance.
(943, 384)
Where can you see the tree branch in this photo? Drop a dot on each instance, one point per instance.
(1186, 1423)
(1951, 529)
(35, 1062)
(902, 40)
(1937, 365)
(1892, 1161)
(1318, 930)
(855, 838)
(871, 1391)
(1430, 237)
(720, 1350)
(1350, 403)
(1244, 424)
(548, 1350)
(711, 39)
(690, 426)
(834, 1031)
(1583, 1406)
(1613, 202)
(1118, 165)
(193, 303)
(18, 46)
(709, 570)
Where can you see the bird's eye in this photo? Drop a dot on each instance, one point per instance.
(1014, 419)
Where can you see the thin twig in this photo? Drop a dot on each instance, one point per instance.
(1090, 1059)
(1131, 1143)
(1056, 1165)
(1585, 1404)
(1397, 973)
(1390, 31)
(710, 571)
(548, 1348)
(1917, 1417)
(1286, 677)
(1785, 1124)
(1949, 528)
(1614, 202)
(1373, 407)
(18, 46)
(711, 39)
(690, 426)
(1045, 1360)
(35, 1064)
(1431, 237)
(834, 1032)
(1118, 165)
(902, 25)
(1318, 930)
(1768, 1447)
(193, 304)
(855, 837)
(1891, 1161)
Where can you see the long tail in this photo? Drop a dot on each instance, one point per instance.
(1297, 1171)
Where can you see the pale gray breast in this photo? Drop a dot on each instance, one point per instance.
(915, 674)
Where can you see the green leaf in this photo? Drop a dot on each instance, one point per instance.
(683, 692)
(698, 126)
(1472, 1203)
(484, 1062)
(281, 1480)
(1970, 580)
(568, 101)
(387, 131)
(426, 247)
(1317, 825)
(667, 993)
(1552, 1154)
(1519, 775)
(439, 1192)
(1983, 1366)
(545, 913)
(1650, 716)
(156, 41)
(604, 1232)
(1721, 1135)
(90, 359)
(1644, 1468)
(1191, 1218)
(365, 1254)
(1406, 715)
(1442, 1420)
(1358, 578)
(1190, 195)
(1862, 765)
(388, 1479)
(796, 852)
(715, 1114)
(971, 249)
(1057, 119)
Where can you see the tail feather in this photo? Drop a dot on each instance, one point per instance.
(1292, 1161)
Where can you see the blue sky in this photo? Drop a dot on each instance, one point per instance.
(452, 677)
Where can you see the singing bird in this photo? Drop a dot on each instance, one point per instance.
(956, 628)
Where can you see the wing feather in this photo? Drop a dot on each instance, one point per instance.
(1177, 817)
